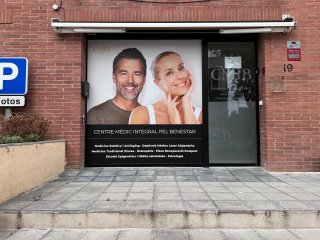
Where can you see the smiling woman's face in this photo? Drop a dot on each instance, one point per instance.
(172, 76)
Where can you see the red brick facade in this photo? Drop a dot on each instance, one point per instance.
(289, 121)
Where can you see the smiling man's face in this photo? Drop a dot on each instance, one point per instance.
(129, 78)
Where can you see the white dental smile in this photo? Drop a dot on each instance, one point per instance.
(129, 88)
(180, 84)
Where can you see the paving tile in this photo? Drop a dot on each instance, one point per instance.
(277, 235)
(170, 234)
(146, 172)
(227, 179)
(206, 234)
(73, 205)
(108, 173)
(231, 205)
(279, 184)
(145, 178)
(293, 205)
(43, 205)
(206, 178)
(126, 173)
(262, 205)
(314, 204)
(169, 206)
(194, 196)
(184, 173)
(172, 189)
(135, 235)
(241, 235)
(24, 234)
(314, 190)
(121, 184)
(118, 189)
(246, 178)
(100, 235)
(215, 189)
(256, 185)
(164, 172)
(304, 196)
(137, 206)
(100, 185)
(144, 184)
(211, 184)
(84, 196)
(142, 189)
(241, 189)
(162, 196)
(104, 179)
(250, 196)
(185, 178)
(222, 196)
(124, 178)
(70, 173)
(307, 234)
(88, 173)
(190, 189)
(75, 185)
(110, 206)
(202, 172)
(233, 184)
(165, 178)
(189, 184)
(63, 235)
(92, 189)
(268, 189)
(65, 179)
(200, 206)
(167, 184)
(268, 179)
(6, 233)
(34, 195)
(15, 205)
(113, 196)
(289, 189)
(84, 178)
(140, 196)
(278, 196)
(62, 196)
(285, 178)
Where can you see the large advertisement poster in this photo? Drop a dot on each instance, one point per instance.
(145, 102)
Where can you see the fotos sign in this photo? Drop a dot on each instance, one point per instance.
(13, 81)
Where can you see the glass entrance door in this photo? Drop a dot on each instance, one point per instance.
(232, 103)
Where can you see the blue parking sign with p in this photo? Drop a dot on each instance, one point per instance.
(13, 76)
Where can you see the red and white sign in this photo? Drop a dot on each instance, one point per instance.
(294, 54)
(294, 50)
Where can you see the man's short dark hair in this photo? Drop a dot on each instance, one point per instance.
(130, 53)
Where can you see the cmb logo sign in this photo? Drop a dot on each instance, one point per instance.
(13, 81)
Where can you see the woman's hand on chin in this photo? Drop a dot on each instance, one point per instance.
(186, 99)
(173, 112)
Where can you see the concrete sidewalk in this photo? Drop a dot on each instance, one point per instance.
(161, 234)
(169, 198)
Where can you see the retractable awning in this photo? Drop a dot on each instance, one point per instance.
(284, 26)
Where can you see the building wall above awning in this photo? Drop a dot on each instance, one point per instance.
(285, 25)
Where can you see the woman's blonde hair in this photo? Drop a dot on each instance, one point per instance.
(155, 61)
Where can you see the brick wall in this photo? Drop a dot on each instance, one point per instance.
(289, 121)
